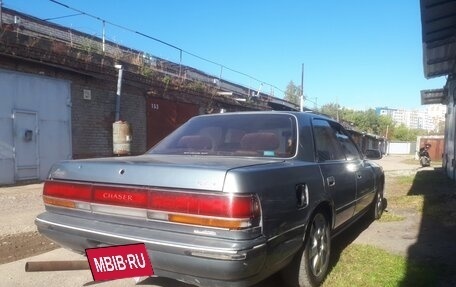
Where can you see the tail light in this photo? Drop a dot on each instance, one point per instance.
(228, 211)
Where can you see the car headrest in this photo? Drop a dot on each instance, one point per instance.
(260, 141)
(195, 142)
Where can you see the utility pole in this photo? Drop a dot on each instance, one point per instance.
(337, 108)
(301, 102)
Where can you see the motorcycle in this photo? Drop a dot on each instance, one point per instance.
(425, 159)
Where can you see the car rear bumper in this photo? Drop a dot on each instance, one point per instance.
(190, 258)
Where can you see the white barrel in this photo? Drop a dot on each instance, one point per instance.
(121, 138)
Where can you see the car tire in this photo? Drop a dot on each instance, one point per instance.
(377, 206)
(310, 265)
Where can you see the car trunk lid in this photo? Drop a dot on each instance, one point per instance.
(181, 172)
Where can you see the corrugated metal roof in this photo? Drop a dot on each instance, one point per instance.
(438, 23)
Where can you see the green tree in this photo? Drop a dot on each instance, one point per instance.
(332, 109)
(365, 121)
(386, 126)
(368, 121)
(292, 93)
(403, 133)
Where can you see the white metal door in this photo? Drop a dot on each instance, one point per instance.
(25, 136)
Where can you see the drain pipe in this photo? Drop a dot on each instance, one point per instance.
(119, 87)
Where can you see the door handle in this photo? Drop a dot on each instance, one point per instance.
(331, 181)
(302, 195)
(359, 175)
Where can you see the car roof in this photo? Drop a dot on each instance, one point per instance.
(305, 114)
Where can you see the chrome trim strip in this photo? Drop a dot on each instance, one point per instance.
(289, 230)
(348, 204)
(219, 250)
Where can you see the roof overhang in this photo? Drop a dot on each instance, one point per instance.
(431, 97)
(438, 23)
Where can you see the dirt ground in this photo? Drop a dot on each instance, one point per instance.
(18, 236)
(22, 245)
(418, 238)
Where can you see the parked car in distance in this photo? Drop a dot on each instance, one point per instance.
(225, 200)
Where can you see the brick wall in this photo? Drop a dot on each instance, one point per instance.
(92, 119)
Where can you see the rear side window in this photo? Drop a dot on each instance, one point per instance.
(348, 146)
(257, 135)
(332, 142)
(326, 143)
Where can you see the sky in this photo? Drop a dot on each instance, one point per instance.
(357, 53)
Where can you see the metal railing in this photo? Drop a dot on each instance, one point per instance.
(33, 26)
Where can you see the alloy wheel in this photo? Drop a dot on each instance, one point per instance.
(319, 245)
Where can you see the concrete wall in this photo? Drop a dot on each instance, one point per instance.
(400, 148)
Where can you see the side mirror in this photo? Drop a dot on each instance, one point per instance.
(373, 154)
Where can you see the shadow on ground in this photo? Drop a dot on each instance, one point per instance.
(435, 247)
(431, 260)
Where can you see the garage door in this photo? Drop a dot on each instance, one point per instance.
(164, 116)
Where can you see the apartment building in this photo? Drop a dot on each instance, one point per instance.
(428, 118)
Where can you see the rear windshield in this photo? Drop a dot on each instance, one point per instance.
(256, 135)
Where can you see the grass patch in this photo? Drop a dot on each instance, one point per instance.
(364, 265)
(412, 160)
(390, 217)
(429, 193)
(442, 208)
(415, 202)
(405, 179)
(399, 185)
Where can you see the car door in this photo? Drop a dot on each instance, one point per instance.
(365, 187)
(338, 175)
(364, 174)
